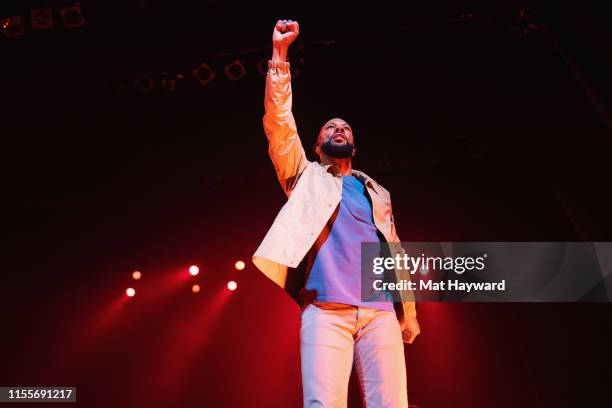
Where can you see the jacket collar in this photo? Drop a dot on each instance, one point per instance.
(365, 179)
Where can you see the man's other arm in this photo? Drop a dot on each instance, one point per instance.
(408, 321)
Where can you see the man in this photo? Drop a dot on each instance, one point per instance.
(331, 209)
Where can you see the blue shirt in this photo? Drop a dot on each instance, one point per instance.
(335, 273)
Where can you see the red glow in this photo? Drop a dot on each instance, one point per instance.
(187, 340)
(232, 285)
(194, 270)
(195, 288)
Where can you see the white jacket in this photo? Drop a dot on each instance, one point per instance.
(313, 190)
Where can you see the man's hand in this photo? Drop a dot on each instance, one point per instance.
(410, 329)
(285, 32)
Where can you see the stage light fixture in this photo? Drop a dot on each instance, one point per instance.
(203, 73)
(232, 285)
(239, 265)
(12, 26)
(194, 270)
(235, 71)
(130, 292)
(72, 16)
(42, 18)
(168, 85)
(262, 66)
(195, 288)
(136, 275)
(143, 82)
(168, 82)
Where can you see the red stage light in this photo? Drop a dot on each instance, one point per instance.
(136, 275)
(195, 288)
(130, 292)
(235, 70)
(42, 18)
(232, 285)
(239, 265)
(203, 73)
(194, 270)
(72, 16)
(13, 26)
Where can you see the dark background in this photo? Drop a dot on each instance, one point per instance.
(487, 121)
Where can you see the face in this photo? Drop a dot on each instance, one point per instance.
(335, 133)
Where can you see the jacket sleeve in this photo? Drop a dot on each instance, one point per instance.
(408, 303)
(284, 145)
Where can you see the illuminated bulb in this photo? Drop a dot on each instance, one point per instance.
(136, 275)
(239, 265)
(130, 292)
(231, 285)
(195, 288)
(194, 270)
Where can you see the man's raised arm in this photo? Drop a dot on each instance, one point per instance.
(285, 148)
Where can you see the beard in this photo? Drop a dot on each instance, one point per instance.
(338, 151)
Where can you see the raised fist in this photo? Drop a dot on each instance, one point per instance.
(285, 32)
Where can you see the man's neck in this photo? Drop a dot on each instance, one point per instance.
(344, 166)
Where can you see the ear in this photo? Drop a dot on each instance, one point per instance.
(317, 149)
(354, 152)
